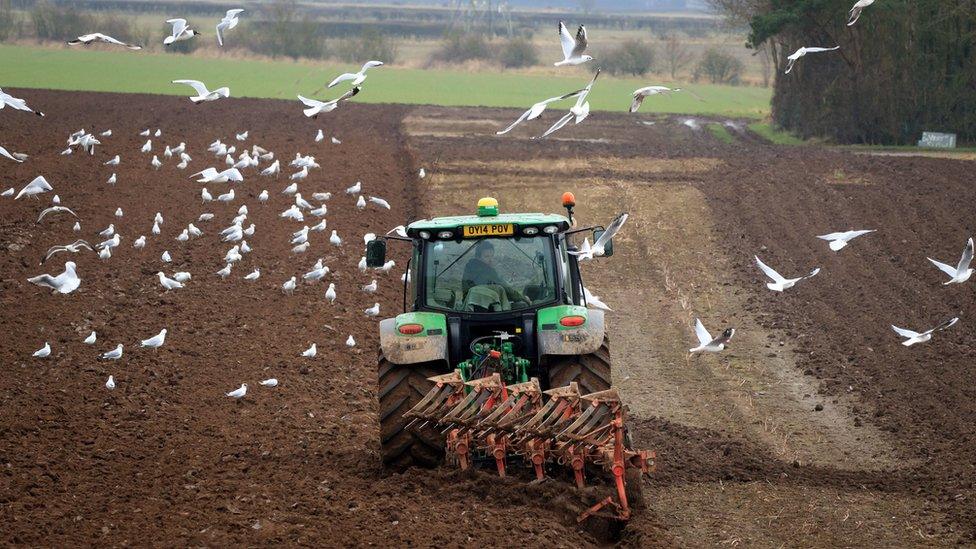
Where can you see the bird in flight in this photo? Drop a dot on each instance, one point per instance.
(803, 51)
(89, 39)
(961, 272)
(356, 77)
(229, 21)
(315, 107)
(573, 48)
(203, 94)
(915, 337)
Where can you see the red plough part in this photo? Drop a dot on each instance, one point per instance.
(484, 417)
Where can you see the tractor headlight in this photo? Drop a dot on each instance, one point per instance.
(529, 231)
(550, 229)
(425, 235)
(445, 235)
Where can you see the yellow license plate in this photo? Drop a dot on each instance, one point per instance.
(475, 231)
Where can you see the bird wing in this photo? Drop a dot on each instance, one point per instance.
(348, 95)
(516, 123)
(224, 23)
(967, 257)
(232, 174)
(51, 251)
(109, 39)
(947, 269)
(854, 15)
(724, 338)
(585, 92)
(833, 236)
(637, 102)
(232, 14)
(704, 338)
(342, 78)
(559, 124)
(611, 230)
(311, 102)
(813, 273)
(197, 85)
(44, 280)
(944, 325)
(566, 40)
(55, 209)
(776, 277)
(5, 152)
(818, 50)
(370, 64)
(579, 45)
(179, 26)
(904, 333)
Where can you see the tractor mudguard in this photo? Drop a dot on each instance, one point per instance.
(555, 338)
(427, 343)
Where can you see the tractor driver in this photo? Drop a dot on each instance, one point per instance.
(479, 271)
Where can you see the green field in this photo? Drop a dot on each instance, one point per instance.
(137, 72)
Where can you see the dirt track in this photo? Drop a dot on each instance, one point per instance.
(745, 455)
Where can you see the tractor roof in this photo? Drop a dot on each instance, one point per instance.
(519, 219)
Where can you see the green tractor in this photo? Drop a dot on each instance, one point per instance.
(470, 279)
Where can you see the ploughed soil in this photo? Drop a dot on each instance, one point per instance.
(167, 459)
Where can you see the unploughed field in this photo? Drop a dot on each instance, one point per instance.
(138, 72)
(815, 429)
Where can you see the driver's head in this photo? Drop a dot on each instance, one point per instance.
(485, 251)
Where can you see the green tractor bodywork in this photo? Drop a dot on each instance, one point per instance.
(530, 322)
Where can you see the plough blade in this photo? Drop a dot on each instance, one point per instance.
(559, 426)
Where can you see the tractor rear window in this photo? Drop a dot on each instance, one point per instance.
(489, 275)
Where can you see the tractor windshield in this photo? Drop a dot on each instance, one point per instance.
(489, 275)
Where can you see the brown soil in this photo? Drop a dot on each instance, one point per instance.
(816, 429)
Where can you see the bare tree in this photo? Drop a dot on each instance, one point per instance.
(677, 55)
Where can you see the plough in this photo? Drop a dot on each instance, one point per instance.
(486, 418)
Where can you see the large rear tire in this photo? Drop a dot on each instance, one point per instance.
(591, 371)
(400, 388)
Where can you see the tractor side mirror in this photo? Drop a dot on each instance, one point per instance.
(608, 247)
(376, 253)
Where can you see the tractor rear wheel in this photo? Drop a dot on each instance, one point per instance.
(590, 371)
(400, 388)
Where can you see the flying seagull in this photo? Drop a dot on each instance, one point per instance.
(915, 337)
(211, 175)
(64, 283)
(535, 111)
(89, 39)
(779, 283)
(315, 107)
(579, 111)
(573, 48)
(708, 344)
(37, 186)
(839, 240)
(203, 94)
(855, 13)
(961, 272)
(641, 93)
(7, 100)
(180, 31)
(228, 22)
(55, 209)
(74, 247)
(356, 77)
(598, 249)
(803, 51)
(12, 156)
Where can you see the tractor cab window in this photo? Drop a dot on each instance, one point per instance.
(489, 275)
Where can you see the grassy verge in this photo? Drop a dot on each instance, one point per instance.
(139, 72)
(774, 135)
(721, 133)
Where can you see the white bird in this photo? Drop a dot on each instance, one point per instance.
(168, 283)
(90, 340)
(361, 203)
(962, 271)
(423, 173)
(580, 111)
(226, 197)
(110, 384)
(373, 311)
(336, 141)
(205, 195)
(271, 382)
(301, 202)
(105, 253)
(166, 257)
(779, 283)
(320, 136)
(239, 392)
(316, 107)
(7, 100)
(330, 294)
(64, 283)
(147, 146)
(8, 192)
(118, 212)
(273, 169)
(350, 341)
(368, 237)
(334, 239)
(139, 242)
(362, 264)
(310, 352)
(205, 217)
(594, 301)
(708, 344)
(228, 22)
(356, 77)
(110, 243)
(37, 186)
(114, 161)
(803, 51)
(388, 266)
(44, 351)
(915, 337)
(193, 230)
(840, 240)
(114, 354)
(108, 231)
(182, 276)
(855, 13)
(322, 197)
(301, 248)
(76, 228)
(155, 229)
(225, 272)
(180, 32)
(573, 48)
(399, 230)
(6, 153)
(370, 288)
(292, 188)
(355, 189)
(155, 341)
(297, 176)
(112, 180)
(233, 255)
(254, 275)
(203, 94)
(156, 163)
(146, 132)
(535, 111)
(318, 273)
(88, 39)
(380, 202)
(321, 211)
(54, 210)
(263, 197)
(289, 286)
(642, 93)
(211, 175)
(598, 249)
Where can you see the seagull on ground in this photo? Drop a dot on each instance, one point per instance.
(37, 186)
(168, 283)
(270, 382)
(90, 340)
(289, 286)
(310, 352)
(110, 384)
(803, 51)
(239, 392)
(114, 161)
(253, 275)
(89, 39)
(182, 276)
(334, 239)
(579, 111)
(370, 288)
(44, 351)
(779, 283)
(373, 311)
(350, 341)
(708, 344)
(962, 271)
(356, 77)
(273, 169)
(139, 243)
(840, 240)
(915, 337)
(64, 283)
(225, 272)
(114, 354)
(573, 48)
(855, 13)
(355, 189)
(7, 100)
(316, 107)
(642, 93)
(330, 294)
(181, 31)
(228, 22)
(380, 202)
(203, 94)
(155, 341)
